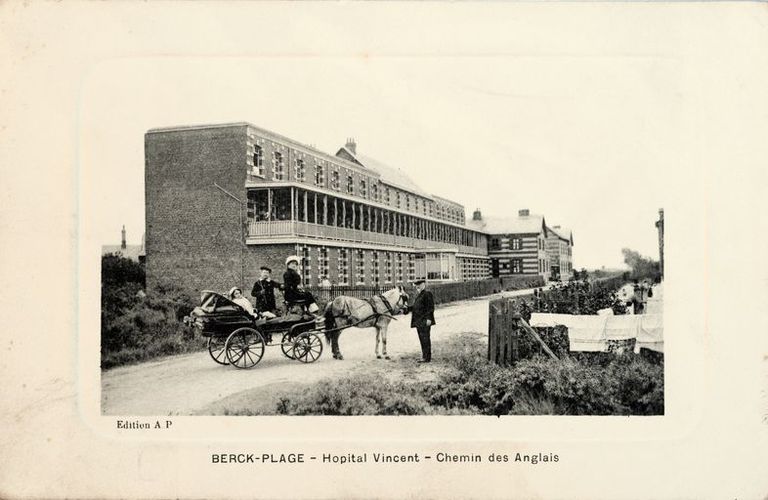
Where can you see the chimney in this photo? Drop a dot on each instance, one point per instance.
(123, 245)
(476, 215)
(351, 145)
(523, 212)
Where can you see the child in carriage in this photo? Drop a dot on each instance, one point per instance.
(236, 296)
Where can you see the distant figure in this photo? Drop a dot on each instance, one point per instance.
(236, 295)
(264, 291)
(325, 282)
(422, 318)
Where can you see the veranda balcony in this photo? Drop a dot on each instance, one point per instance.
(287, 229)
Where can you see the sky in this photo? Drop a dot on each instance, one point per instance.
(581, 137)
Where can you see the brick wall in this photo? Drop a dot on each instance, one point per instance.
(193, 233)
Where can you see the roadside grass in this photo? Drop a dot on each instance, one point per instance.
(462, 382)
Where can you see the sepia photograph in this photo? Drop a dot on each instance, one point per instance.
(383, 250)
(264, 254)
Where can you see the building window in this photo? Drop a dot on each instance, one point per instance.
(407, 202)
(386, 195)
(319, 175)
(398, 200)
(387, 267)
(278, 171)
(360, 267)
(363, 188)
(305, 266)
(411, 267)
(335, 180)
(517, 266)
(299, 171)
(375, 267)
(258, 160)
(375, 191)
(322, 264)
(399, 270)
(343, 266)
(517, 243)
(495, 244)
(350, 184)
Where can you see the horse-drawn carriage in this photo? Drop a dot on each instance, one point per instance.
(237, 338)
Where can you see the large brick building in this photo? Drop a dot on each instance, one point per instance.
(222, 200)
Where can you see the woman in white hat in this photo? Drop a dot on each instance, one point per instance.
(236, 296)
(293, 291)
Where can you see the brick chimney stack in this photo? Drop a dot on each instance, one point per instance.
(524, 212)
(123, 244)
(477, 215)
(351, 145)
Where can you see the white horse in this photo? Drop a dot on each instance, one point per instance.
(377, 312)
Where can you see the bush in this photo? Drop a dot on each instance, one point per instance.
(136, 326)
(579, 297)
(608, 384)
(355, 395)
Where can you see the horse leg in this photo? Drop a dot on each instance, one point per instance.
(335, 346)
(384, 340)
(378, 336)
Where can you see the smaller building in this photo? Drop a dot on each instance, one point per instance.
(516, 245)
(560, 252)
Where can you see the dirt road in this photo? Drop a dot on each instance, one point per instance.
(182, 385)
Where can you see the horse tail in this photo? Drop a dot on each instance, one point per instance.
(330, 322)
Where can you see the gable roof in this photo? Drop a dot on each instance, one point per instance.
(528, 224)
(563, 233)
(390, 175)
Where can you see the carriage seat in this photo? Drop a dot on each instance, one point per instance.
(303, 302)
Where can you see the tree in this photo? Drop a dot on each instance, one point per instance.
(642, 267)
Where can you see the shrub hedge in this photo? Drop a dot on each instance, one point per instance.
(136, 326)
(611, 384)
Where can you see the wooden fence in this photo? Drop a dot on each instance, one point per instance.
(442, 292)
(506, 325)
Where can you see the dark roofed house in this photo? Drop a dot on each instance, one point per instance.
(517, 245)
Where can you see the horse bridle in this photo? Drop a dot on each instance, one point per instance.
(389, 307)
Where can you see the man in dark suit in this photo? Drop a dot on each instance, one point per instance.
(264, 291)
(422, 318)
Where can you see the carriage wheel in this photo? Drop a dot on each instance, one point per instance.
(307, 347)
(216, 349)
(245, 348)
(286, 345)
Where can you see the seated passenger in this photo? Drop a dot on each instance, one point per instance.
(264, 292)
(236, 296)
(294, 292)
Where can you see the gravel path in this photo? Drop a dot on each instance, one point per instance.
(189, 383)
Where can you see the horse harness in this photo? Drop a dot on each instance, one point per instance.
(376, 314)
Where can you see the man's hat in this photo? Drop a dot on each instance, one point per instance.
(294, 258)
(265, 268)
(419, 282)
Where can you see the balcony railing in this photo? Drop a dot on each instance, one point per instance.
(285, 228)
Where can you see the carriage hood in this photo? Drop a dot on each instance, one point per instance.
(210, 301)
